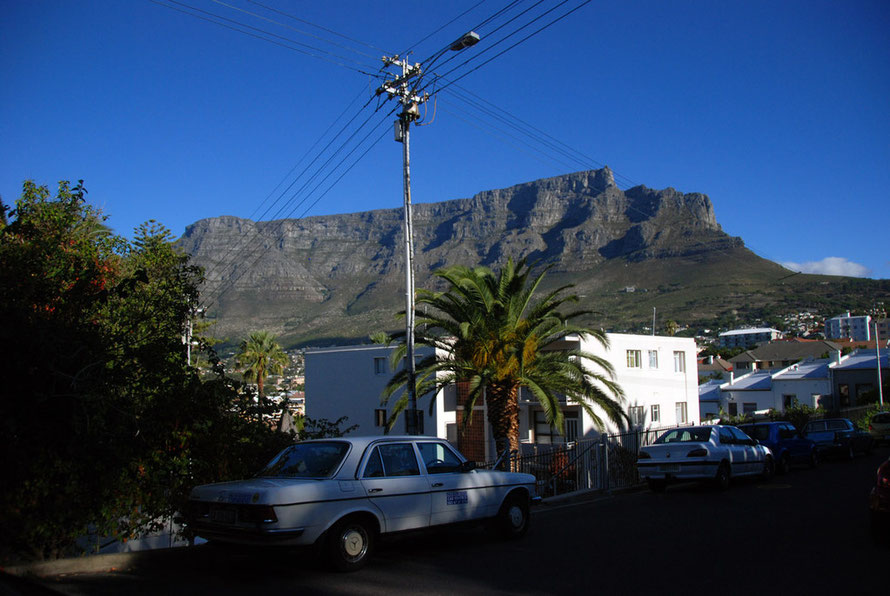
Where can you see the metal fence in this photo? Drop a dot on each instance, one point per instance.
(603, 464)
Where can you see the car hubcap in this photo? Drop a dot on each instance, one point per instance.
(516, 516)
(353, 543)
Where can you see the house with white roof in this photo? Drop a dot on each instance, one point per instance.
(659, 376)
(804, 383)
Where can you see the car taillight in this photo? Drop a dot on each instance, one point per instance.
(264, 514)
(697, 453)
(644, 455)
(884, 474)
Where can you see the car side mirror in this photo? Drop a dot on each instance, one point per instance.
(467, 466)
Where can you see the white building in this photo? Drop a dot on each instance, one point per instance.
(848, 327)
(659, 376)
(743, 338)
(805, 383)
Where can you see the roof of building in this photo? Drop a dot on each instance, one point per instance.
(750, 331)
(810, 369)
(781, 350)
(718, 365)
(709, 391)
(863, 360)
(756, 381)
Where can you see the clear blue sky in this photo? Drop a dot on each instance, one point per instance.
(777, 110)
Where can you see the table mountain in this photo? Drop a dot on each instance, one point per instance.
(338, 278)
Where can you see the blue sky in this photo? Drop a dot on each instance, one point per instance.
(778, 111)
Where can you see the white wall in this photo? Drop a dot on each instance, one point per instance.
(341, 381)
(650, 385)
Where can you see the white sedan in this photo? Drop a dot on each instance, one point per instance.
(716, 453)
(343, 493)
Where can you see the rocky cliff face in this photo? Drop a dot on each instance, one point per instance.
(343, 275)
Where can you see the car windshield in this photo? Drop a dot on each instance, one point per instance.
(685, 435)
(306, 460)
(761, 432)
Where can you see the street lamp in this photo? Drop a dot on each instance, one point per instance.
(402, 88)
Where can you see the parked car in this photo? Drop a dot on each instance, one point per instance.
(838, 436)
(879, 427)
(786, 443)
(712, 452)
(342, 494)
(879, 503)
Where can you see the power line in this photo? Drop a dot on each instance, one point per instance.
(300, 31)
(234, 26)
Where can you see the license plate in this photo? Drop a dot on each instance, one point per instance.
(669, 468)
(222, 516)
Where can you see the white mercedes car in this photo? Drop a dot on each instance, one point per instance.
(342, 494)
(716, 453)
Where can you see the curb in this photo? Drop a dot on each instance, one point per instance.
(107, 563)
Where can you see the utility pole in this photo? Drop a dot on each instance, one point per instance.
(878, 362)
(404, 87)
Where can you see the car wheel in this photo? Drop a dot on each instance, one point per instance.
(350, 543)
(657, 485)
(721, 480)
(784, 464)
(512, 520)
(769, 468)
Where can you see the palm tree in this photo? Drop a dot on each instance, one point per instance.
(495, 336)
(260, 355)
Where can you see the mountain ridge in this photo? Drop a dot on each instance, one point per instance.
(341, 277)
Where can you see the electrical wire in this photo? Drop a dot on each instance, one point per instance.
(234, 26)
(300, 31)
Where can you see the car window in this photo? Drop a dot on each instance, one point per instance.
(882, 418)
(739, 435)
(685, 435)
(815, 427)
(438, 458)
(786, 431)
(396, 459)
(759, 432)
(726, 436)
(307, 460)
(837, 425)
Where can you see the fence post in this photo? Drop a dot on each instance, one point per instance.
(606, 480)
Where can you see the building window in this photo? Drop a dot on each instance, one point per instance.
(637, 415)
(680, 361)
(653, 358)
(656, 413)
(634, 359)
(379, 366)
(680, 408)
(379, 417)
(733, 408)
(749, 408)
(788, 401)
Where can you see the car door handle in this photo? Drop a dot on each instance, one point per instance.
(437, 484)
(375, 490)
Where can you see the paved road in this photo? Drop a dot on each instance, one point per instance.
(804, 533)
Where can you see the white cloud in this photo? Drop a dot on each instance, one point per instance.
(831, 266)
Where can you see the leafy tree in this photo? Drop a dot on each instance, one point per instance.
(103, 425)
(496, 334)
(671, 327)
(260, 355)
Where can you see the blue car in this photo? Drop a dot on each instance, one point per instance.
(786, 443)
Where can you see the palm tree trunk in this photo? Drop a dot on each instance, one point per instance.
(503, 414)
